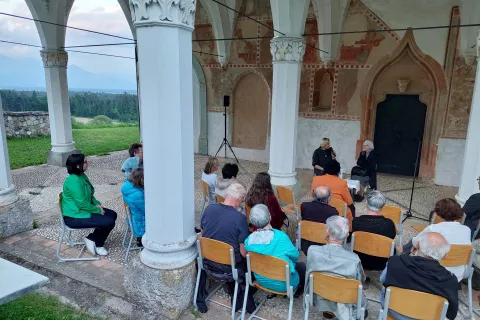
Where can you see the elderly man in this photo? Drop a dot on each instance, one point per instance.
(472, 210)
(333, 259)
(223, 222)
(317, 210)
(421, 271)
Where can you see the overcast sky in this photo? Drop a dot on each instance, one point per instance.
(99, 15)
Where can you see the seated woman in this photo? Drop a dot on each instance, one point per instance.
(321, 156)
(134, 196)
(338, 187)
(269, 241)
(210, 177)
(366, 169)
(261, 192)
(135, 161)
(80, 209)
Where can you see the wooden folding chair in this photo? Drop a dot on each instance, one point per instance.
(436, 219)
(336, 289)
(206, 197)
(219, 252)
(462, 255)
(413, 304)
(396, 215)
(340, 205)
(219, 198)
(311, 231)
(127, 243)
(287, 196)
(271, 268)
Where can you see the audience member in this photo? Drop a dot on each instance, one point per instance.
(421, 271)
(223, 222)
(317, 210)
(373, 222)
(272, 242)
(337, 185)
(210, 177)
(321, 156)
(134, 196)
(366, 169)
(135, 161)
(229, 176)
(80, 209)
(453, 231)
(334, 260)
(261, 192)
(472, 210)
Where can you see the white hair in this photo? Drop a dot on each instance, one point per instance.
(236, 190)
(375, 201)
(260, 216)
(432, 249)
(369, 144)
(338, 228)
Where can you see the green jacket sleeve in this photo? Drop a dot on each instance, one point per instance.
(83, 199)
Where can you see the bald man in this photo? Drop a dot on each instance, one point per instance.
(317, 210)
(421, 271)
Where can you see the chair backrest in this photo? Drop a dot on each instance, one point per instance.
(268, 266)
(415, 304)
(393, 213)
(312, 231)
(459, 255)
(128, 214)
(372, 244)
(216, 251)
(336, 289)
(340, 205)
(285, 195)
(219, 198)
(205, 187)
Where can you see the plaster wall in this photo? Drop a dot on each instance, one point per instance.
(450, 156)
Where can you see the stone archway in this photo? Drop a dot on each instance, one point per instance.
(202, 105)
(425, 77)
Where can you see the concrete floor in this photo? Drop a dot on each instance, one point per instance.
(42, 184)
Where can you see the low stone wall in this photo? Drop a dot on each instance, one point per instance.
(27, 124)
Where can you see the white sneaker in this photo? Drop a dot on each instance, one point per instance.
(90, 246)
(101, 251)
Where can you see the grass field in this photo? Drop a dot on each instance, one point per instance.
(38, 307)
(32, 151)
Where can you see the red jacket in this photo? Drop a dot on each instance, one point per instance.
(276, 213)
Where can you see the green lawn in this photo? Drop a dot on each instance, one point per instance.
(32, 151)
(37, 307)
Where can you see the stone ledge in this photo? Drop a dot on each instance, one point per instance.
(15, 218)
(25, 113)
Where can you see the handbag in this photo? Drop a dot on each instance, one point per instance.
(359, 171)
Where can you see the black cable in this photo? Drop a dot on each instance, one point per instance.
(101, 54)
(22, 44)
(208, 54)
(100, 45)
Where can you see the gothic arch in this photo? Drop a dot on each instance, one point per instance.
(203, 139)
(427, 79)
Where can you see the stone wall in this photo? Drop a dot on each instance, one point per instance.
(27, 124)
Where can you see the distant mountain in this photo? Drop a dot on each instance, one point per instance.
(29, 74)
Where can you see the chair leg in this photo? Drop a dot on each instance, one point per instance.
(253, 315)
(60, 241)
(470, 307)
(247, 286)
(234, 303)
(306, 305)
(124, 242)
(290, 308)
(129, 246)
(196, 288)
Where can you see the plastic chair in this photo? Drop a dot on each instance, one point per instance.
(396, 215)
(206, 197)
(413, 304)
(311, 231)
(127, 243)
(66, 229)
(219, 252)
(462, 255)
(287, 196)
(436, 219)
(336, 289)
(268, 267)
(219, 198)
(340, 205)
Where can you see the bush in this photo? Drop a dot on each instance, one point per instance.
(101, 120)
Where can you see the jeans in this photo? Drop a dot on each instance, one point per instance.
(301, 268)
(103, 225)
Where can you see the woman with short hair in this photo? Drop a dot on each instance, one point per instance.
(321, 156)
(366, 169)
(210, 177)
(80, 209)
(134, 196)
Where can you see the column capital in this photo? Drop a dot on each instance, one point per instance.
(54, 59)
(289, 49)
(179, 13)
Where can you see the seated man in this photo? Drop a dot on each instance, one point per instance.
(223, 222)
(317, 210)
(333, 259)
(421, 271)
(229, 176)
(373, 222)
(472, 211)
(272, 242)
(135, 161)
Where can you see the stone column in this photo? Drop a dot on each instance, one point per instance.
(287, 54)
(55, 63)
(162, 279)
(471, 161)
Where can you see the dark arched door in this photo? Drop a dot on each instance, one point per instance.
(399, 126)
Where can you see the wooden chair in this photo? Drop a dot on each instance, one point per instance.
(219, 198)
(396, 215)
(340, 205)
(127, 243)
(66, 229)
(206, 197)
(268, 267)
(462, 255)
(219, 252)
(287, 196)
(336, 289)
(413, 304)
(436, 219)
(311, 231)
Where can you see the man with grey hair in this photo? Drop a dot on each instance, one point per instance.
(421, 271)
(333, 259)
(317, 210)
(373, 222)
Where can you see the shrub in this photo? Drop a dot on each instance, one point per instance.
(100, 120)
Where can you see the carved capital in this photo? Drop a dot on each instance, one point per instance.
(163, 12)
(287, 49)
(54, 59)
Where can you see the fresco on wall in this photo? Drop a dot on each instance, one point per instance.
(244, 51)
(347, 83)
(205, 31)
(323, 90)
(304, 103)
(312, 55)
(201, 15)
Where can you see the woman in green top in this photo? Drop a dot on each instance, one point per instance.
(80, 209)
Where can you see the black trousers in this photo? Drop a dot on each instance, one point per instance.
(103, 224)
(302, 270)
